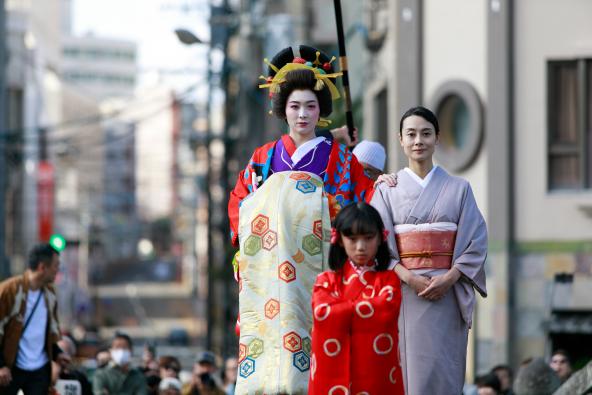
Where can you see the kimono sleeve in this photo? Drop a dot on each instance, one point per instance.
(363, 186)
(237, 195)
(470, 249)
(381, 203)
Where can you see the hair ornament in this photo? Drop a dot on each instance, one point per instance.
(324, 122)
(334, 236)
(323, 79)
(385, 234)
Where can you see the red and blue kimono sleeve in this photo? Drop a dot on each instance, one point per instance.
(258, 166)
(237, 195)
(363, 186)
(345, 180)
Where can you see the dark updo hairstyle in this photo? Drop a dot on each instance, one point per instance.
(358, 219)
(300, 79)
(420, 112)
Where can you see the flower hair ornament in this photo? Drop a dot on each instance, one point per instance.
(385, 234)
(334, 236)
(322, 73)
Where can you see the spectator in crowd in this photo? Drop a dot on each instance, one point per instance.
(229, 375)
(67, 370)
(204, 380)
(505, 376)
(579, 383)
(488, 384)
(372, 157)
(169, 366)
(29, 326)
(169, 386)
(536, 378)
(103, 358)
(148, 357)
(120, 377)
(153, 382)
(561, 364)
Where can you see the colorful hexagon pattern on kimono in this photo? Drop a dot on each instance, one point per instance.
(255, 348)
(287, 272)
(247, 367)
(318, 183)
(260, 225)
(306, 187)
(317, 228)
(272, 308)
(292, 342)
(311, 244)
(299, 176)
(301, 361)
(307, 346)
(242, 351)
(252, 245)
(269, 240)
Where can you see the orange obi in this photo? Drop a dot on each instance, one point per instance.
(426, 250)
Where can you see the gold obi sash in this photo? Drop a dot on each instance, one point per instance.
(426, 250)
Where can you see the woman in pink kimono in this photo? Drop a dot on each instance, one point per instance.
(439, 246)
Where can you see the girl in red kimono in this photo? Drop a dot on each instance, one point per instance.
(356, 307)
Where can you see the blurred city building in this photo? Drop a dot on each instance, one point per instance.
(510, 82)
(33, 101)
(100, 67)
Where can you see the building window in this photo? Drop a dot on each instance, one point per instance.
(569, 115)
(460, 115)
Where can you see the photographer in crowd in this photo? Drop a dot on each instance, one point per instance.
(204, 380)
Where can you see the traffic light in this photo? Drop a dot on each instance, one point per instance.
(58, 242)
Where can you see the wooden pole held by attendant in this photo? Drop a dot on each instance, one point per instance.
(343, 68)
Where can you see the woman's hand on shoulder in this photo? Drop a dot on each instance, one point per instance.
(390, 180)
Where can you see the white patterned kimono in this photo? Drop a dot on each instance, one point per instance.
(283, 233)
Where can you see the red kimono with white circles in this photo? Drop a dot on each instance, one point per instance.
(355, 347)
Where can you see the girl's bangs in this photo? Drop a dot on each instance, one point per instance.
(361, 224)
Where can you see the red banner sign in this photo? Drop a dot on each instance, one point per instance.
(45, 187)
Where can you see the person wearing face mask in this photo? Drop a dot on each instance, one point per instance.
(120, 377)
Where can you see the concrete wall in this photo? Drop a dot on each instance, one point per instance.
(455, 48)
(545, 30)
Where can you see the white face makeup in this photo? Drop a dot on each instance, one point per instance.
(302, 113)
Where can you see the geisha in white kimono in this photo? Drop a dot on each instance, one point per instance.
(439, 246)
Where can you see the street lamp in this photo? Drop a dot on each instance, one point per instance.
(187, 37)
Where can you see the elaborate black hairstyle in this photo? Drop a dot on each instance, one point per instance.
(302, 78)
(355, 219)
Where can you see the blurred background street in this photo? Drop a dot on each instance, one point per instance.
(124, 124)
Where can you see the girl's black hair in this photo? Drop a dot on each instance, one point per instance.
(358, 219)
(301, 79)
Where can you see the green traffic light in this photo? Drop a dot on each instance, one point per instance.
(57, 242)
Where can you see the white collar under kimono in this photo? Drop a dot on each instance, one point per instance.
(425, 181)
(305, 149)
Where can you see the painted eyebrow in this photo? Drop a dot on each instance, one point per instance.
(307, 102)
(413, 129)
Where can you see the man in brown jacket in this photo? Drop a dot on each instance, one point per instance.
(29, 327)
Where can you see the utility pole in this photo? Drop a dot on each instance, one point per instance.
(4, 270)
